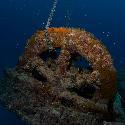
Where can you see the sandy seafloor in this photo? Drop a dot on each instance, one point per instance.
(20, 19)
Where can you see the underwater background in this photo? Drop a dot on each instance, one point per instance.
(20, 19)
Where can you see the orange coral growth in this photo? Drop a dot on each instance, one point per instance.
(58, 30)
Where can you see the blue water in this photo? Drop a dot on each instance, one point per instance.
(8, 118)
(19, 19)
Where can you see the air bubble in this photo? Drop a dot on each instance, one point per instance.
(49, 23)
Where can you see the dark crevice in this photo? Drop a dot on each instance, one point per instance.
(79, 62)
(66, 102)
(86, 91)
(54, 54)
(38, 76)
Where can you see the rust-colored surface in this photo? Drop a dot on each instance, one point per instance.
(70, 41)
